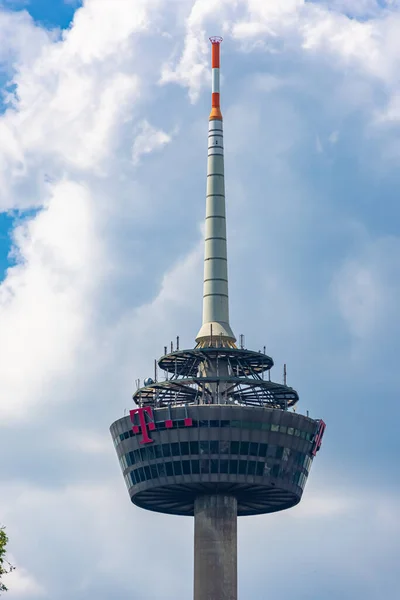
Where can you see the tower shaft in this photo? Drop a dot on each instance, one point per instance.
(215, 547)
(215, 292)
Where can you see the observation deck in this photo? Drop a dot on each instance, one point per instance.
(216, 425)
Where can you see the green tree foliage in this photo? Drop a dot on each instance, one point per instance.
(5, 566)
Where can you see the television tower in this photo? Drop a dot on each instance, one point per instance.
(215, 438)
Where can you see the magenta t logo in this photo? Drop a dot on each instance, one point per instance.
(318, 438)
(144, 425)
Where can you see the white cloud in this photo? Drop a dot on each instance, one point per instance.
(102, 31)
(22, 41)
(147, 140)
(22, 584)
(44, 298)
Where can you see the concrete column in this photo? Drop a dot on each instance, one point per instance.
(215, 548)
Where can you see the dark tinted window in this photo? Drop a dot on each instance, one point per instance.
(233, 467)
(158, 451)
(186, 467)
(147, 473)
(161, 470)
(175, 450)
(279, 452)
(253, 450)
(271, 452)
(203, 423)
(260, 469)
(235, 447)
(166, 450)
(244, 448)
(177, 468)
(184, 447)
(151, 453)
(224, 447)
(262, 451)
(195, 467)
(214, 423)
(223, 466)
(204, 447)
(194, 447)
(242, 467)
(204, 466)
(275, 471)
(214, 447)
(297, 457)
(168, 468)
(143, 454)
(251, 468)
(153, 469)
(225, 423)
(214, 465)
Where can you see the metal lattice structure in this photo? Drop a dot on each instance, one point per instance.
(216, 375)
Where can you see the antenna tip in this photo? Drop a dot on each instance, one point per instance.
(216, 39)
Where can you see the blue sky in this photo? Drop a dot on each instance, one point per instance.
(103, 139)
(49, 13)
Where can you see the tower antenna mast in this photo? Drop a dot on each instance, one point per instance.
(215, 288)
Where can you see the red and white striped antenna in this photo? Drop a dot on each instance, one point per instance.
(216, 41)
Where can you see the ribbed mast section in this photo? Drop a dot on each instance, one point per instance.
(215, 329)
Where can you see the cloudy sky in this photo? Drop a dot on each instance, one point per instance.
(103, 141)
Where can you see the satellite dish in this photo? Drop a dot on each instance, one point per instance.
(148, 381)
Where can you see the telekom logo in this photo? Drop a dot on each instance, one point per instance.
(143, 422)
(318, 438)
